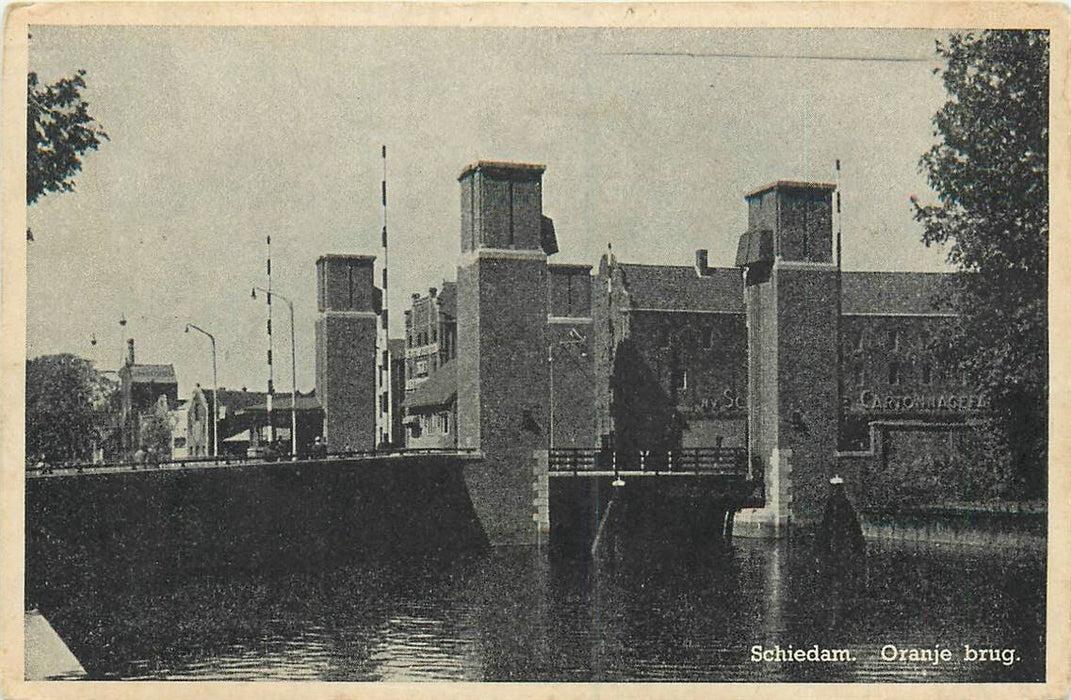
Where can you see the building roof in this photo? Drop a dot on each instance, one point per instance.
(152, 374)
(790, 185)
(896, 292)
(281, 402)
(568, 268)
(681, 288)
(237, 400)
(503, 167)
(353, 257)
(438, 390)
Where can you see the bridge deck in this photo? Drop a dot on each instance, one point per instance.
(649, 472)
(203, 463)
(724, 462)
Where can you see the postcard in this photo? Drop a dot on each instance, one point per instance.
(551, 350)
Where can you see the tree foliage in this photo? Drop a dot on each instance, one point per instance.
(989, 169)
(59, 130)
(69, 407)
(156, 430)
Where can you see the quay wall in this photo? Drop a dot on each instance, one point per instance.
(150, 528)
(1019, 528)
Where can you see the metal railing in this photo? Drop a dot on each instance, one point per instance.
(719, 461)
(44, 469)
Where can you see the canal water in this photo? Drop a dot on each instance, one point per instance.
(518, 614)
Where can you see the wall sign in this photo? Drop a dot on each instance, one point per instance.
(872, 401)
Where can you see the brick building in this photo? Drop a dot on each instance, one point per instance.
(430, 333)
(812, 369)
(141, 389)
(431, 410)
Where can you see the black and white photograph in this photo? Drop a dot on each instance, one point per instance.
(435, 344)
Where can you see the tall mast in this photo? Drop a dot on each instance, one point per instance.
(385, 408)
(840, 316)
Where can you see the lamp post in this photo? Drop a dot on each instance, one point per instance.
(574, 339)
(215, 389)
(293, 369)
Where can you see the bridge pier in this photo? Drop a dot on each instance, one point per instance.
(792, 300)
(502, 371)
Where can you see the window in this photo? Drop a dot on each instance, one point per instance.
(422, 368)
(382, 402)
(444, 420)
(894, 339)
(180, 442)
(894, 372)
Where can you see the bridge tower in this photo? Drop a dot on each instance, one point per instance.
(502, 371)
(790, 290)
(346, 327)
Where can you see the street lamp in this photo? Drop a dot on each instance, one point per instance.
(574, 339)
(215, 390)
(293, 368)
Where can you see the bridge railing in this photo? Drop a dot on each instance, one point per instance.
(721, 461)
(42, 469)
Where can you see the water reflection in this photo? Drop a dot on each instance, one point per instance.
(519, 614)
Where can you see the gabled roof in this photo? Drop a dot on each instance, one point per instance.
(437, 390)
(896, 292)
(681, 288)
(152, 374)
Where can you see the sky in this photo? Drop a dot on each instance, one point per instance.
(220, 136)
